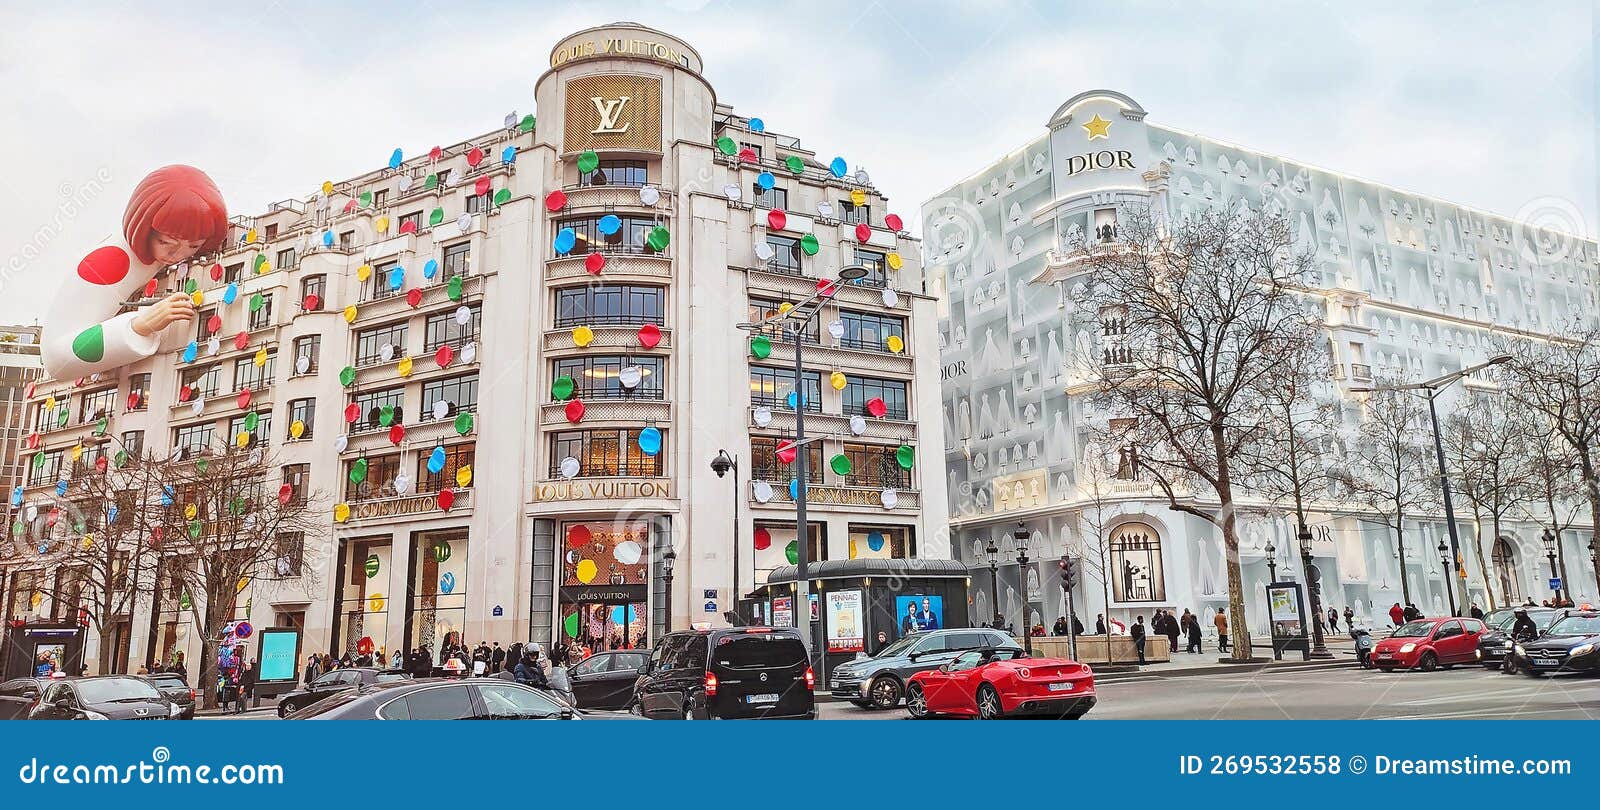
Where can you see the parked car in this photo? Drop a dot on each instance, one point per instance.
(605, 680)
(1428, 644)
(440, 699)
(729, 672)
(879, 682)
(336, 681)
(1572, 644)
(172, 685)
(18, 695)
(994, 683)
(1495, 643)
(105, 697)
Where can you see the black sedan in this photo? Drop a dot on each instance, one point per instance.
(1572, 644)
(442, 699)
(108, 697)
(338, 680)
(1495, 645)
(173, 686)
(18, 696)
(605, 680)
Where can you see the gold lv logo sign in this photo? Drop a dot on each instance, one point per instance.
(610, 109)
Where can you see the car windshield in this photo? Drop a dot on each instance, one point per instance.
(164, 681)
(104, 690)
(1413, 630)
(899, 647)
(391, 677)
(1576, 626)
(1500, 619)
(329, 703)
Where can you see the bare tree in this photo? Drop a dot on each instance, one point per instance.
(226, 519)
(1488, 448)
(1561, 380)
(1199, 319)
(1388, 471)
(1556, 489)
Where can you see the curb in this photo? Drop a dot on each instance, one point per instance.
(1219, 669)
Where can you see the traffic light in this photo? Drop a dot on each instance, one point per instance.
(1069, 572)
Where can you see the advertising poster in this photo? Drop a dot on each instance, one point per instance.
(845, 621)
(783, 611)
(918, 612)
(278, 648)
(1284, 608)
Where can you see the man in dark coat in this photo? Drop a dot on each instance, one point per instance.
(1077, 626)
(1172, 633)
(1136, 632)
(1099, 624)
(422, 664)
(497, 658)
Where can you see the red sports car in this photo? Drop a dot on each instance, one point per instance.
(994, 683)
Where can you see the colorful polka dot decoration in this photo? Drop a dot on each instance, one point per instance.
(104, 266)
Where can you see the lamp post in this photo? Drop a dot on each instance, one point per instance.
(1594, 560)
(1445, 559)
(1021, 536)
(797, 318)
(668, 560)
(992, 553)
(1550, 554)
(721, 465)
(1272, 563)
(1431, 389)
(1314, 590)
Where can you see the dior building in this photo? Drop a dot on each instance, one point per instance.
(1411, 285)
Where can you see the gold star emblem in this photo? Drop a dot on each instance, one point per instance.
(1097, 127)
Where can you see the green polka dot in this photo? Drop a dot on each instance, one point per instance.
(90, 344)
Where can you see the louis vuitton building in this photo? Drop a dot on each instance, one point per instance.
(1411, 284)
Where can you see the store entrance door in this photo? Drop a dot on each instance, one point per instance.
(595, 619)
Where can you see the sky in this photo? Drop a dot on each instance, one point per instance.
(1484, 104)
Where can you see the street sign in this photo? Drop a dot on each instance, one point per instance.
(709, 593)
(711, 607)
(499, 611)
(1555, 583)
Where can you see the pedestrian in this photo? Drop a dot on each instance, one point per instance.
(1173, 631)
(247, 685)
(1411, 613)
(1333, 620)
(1397, 615)
(422, 665)
(497, 658)
(1060, 628)
(178, 668)
(1077, 626)
(1221, 622)
(1349, 618)
(1476, 612)
(1194, 634)
(1137, 634)
(313, 667)
(1099, 624)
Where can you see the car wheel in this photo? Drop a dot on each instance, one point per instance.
(635, 708)
(989, 707)
(885, 693)
(916, 702)
(286, 709)
(1429, 662)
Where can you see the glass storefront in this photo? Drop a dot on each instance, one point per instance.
(364, 607)
(604, 585)
(438, 586)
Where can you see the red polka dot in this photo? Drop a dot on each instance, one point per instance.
(107, 265)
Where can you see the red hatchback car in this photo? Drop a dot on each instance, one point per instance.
(1428, 644)
(991, 684)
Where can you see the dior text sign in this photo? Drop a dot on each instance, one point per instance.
(1103, 159)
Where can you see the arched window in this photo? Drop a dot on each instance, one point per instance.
(1135, 557)
(1505, 571)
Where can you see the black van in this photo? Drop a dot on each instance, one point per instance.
(728, 673)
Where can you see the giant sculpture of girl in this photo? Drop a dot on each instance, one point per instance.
(175, 213)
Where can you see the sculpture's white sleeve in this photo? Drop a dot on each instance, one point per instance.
(83, 332)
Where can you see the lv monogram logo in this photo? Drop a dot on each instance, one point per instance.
(610, 110)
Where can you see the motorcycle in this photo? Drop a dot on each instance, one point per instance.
(1364, 646)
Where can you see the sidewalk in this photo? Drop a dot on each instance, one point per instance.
(1207, 662)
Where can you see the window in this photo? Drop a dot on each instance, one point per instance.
(414, 219)
(441, 329)
(289, 559)
(47, 471)
(1127, 454)
(600, 376)
(876, 264)
(439, 703)
(262, 318)
(95, 404)
(248, 375)
(772, 386)
(379, 481)
(852, 214)
(755, 148)
(457, 261)
(859, 390)
(765, 466)
(377, 285)
(380, 198)
(616, 173)
(202, 382)
(233, 272)
(347, 240)
(192, 439)
(869, 331)
(303, 411)
(133, 444)
(455, 457)
(444, 178)
(263, 431)
(625, 304)
(202, 325)
(760, 309)
(48, 419)
(478, 203)
(139, 392)
(371, 404)
(285, 259)
(1114, 330)
(897, 542)
(459, 393)
(874, 465)
(370, 343)
(630, 238)
(770, 197)
(1136, 564)
(603, 452)
(309, 347)
(313, 285)
(298, 477)
(503, 700)
(272, 231)
(785, 254)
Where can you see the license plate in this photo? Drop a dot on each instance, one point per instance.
(1546, 662)
(1060, 687)
(761, 698)
(835, 683)
(1385, 655)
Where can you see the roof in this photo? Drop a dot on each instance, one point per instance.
(848, 569)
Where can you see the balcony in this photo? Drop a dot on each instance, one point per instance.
(623, 263)
(614, 197)
(826, 424)
(623, 412)
(624, 337)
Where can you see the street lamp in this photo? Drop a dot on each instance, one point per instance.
(1314, 589)
(1450, 588)
(797, 318)
(1021, 536)
(721, 465)
(992, 554)
(1431, 389)
(1550, 554)
(668, 560)
(1272, 563)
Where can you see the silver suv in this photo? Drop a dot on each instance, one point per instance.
(879, 682)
